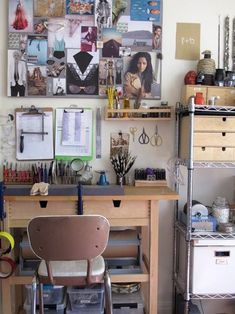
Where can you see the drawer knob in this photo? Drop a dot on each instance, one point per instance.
(116, 203)
(224, 119)
(43, 204)
(203, 148)
(223, 149)
(223, 133)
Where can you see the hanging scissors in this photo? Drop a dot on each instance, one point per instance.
(156, 139)
(133, 130)
(143, 138)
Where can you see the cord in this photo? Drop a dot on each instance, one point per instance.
(171, 167)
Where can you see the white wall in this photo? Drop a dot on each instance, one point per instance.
(203, 12)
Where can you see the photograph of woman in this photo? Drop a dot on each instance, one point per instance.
(103, 14)
(139, 76)
(20, 16)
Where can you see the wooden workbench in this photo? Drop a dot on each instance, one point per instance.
(138, 206)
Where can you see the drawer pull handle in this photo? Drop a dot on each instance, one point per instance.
(203, 148)
(116, 203)
(43, 204)
(223, 149)
(224, 119)
(222, 253)
(223, 133)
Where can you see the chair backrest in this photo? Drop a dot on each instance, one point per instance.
(64, 238)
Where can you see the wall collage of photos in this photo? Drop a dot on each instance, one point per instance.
(71, 48)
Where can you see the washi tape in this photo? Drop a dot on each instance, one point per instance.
(8, 265)
(7, 236)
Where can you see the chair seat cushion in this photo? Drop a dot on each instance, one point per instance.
(73, 268)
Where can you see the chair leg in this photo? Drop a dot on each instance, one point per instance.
(108, 294)
(41, 303)
(33, 295)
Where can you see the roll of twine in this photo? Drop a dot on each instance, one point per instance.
(206, 66)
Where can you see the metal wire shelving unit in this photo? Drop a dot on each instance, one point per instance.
(180, 285)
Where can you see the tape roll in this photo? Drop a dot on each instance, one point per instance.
(8, 264)
(9, 238)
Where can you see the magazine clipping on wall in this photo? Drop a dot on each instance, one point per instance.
(72, 48)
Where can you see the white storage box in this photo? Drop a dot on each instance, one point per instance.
(213, 263)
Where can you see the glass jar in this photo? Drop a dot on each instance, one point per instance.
(220, 210)
(126, 105)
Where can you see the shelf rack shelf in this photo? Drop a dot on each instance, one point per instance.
(183, 231)
(158, 113)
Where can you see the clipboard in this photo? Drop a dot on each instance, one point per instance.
(34, 133)
(74, 133)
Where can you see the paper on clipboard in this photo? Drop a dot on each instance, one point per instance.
(31, 126)
(73, 139)
(73, 131)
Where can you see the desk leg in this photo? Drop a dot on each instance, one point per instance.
(6, 296)
(153, 258)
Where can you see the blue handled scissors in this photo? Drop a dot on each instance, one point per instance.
(143, 138)
(156, 139)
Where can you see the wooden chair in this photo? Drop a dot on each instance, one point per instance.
(70, 249)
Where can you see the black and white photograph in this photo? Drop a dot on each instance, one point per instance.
(17, 73)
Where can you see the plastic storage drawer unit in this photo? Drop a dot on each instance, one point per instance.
(86, 300)
(48, 309)
(51, 294)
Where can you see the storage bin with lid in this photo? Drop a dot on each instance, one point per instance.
(51, 294)
(87, 300)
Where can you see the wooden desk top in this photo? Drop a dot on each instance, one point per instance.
(127, 193)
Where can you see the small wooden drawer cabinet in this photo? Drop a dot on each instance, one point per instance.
(213, 138)
(226, 95)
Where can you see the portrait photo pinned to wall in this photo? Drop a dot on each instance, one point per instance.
(157, 37)
(37, 80)
(89, 38)
(20, 16)
(112, 41)
(142, 73)
(80, 7)
(17, 74)
(49, 8)
(119, 143)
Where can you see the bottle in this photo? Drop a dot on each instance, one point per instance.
(126, 105)
(220, 209)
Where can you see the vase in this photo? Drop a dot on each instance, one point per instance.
(121, 180)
